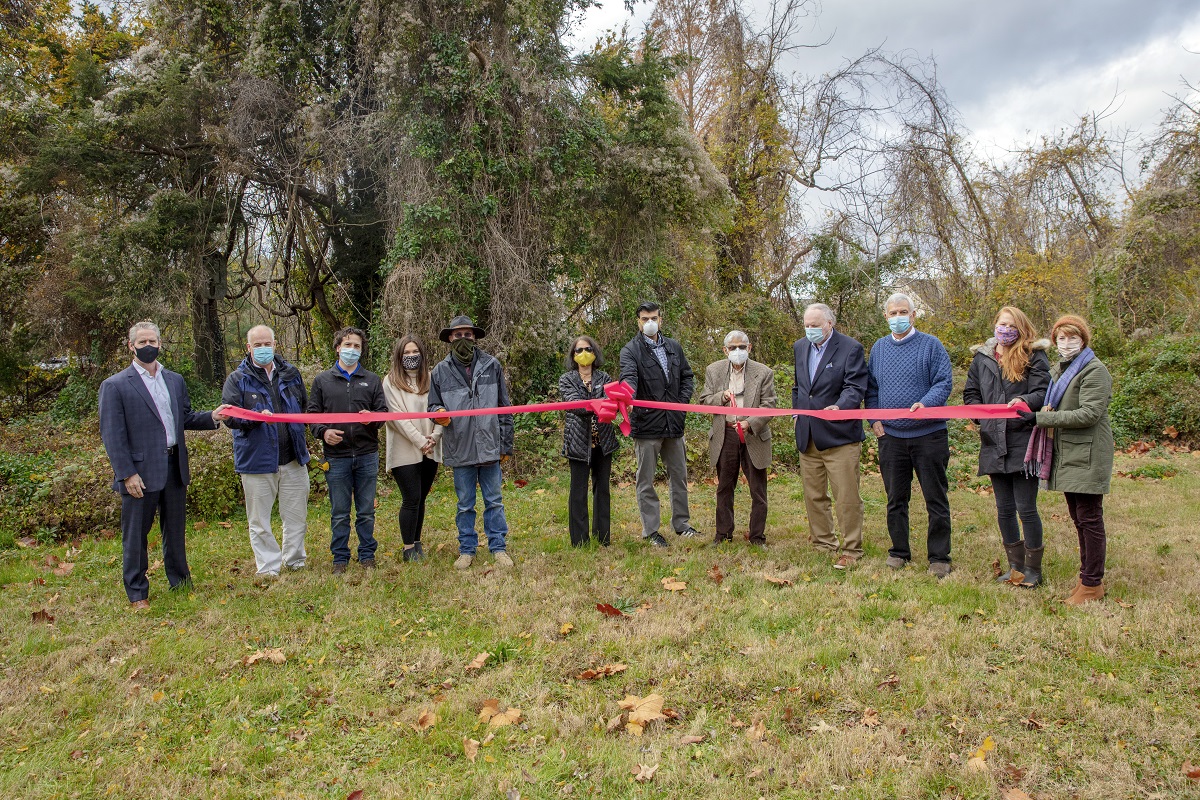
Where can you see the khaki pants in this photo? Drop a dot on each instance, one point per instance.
(834, 469)
(290, 486)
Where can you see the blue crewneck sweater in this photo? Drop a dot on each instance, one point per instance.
(915, 369)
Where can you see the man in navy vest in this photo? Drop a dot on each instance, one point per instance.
(144, 410)
(272, 459)
(831, 374)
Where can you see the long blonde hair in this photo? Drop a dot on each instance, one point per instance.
(1015, 358)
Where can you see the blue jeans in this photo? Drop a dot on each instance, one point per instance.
(488, 478)
(354, 478)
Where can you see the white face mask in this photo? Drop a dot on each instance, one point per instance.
(650, 328)
(739, 357)
(1069, 346)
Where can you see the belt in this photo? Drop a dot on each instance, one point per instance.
(172, 450)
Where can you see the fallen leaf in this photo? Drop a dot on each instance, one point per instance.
(754, 773)
(478, 662)
(777, 581)
(870, 718)
(644, 774)
(691, 740)
(757, 731)
(608, 610)
(614, 723)
(491, 707)
(996, 571)
(976, 764)
(1193, 773)
(602, 672)
(1171, 431)
(64, 569)
(274, 655)
(891, 681)
(565, 629)
(505, 718)
(225, 525)
(425, 720)
(1123, 604)
(1013, 793)
(673, 585)
(355, 795)
(1032, 723)
(471, 748)
(42, 615)
(26, 542)
(715, 574)
(821, 727)
(158, 696)
(520, 483)
(988, 746)
(157, 565)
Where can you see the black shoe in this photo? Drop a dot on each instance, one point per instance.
(409, 554)
(688, 532)
(339, 567)
(656, 540)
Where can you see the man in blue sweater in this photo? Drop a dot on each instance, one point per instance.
(910, 369)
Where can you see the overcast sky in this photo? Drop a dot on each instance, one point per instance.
(1014, 69)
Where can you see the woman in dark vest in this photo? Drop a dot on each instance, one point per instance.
(1072, 449)
(588, 444)
(1011, 367)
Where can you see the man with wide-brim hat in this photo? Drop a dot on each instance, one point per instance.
(462, 322)
(473, 447)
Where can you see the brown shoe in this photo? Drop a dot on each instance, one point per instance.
(139, 605)
(339, 567)
(1074, 591)
(1086, 594)
(844, 562)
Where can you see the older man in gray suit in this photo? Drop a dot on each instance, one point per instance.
(740, 440)
(144, 410)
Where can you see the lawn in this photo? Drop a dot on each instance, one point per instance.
(866, 684)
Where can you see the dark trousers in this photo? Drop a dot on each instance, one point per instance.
(1087, 512)
(600, 471)
(415, 481)
(1016, 495)
(928, 456)
(137, 517)
(735, 456)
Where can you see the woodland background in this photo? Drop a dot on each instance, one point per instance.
(213, 164)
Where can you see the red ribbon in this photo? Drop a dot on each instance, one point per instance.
(620, 400)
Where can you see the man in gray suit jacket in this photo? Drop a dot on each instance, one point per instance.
(144, 410)
(740, 440)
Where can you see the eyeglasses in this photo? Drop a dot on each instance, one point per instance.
(461, 335)
(738, 347)
(585, 350)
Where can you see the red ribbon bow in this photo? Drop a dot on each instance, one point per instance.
(620, 397)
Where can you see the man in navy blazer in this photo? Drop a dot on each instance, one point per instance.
(831, 374)
(144, 410)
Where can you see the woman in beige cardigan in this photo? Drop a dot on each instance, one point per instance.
(413, 446)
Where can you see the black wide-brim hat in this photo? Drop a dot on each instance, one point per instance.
(461, 322)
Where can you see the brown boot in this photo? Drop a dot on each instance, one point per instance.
(1085, 594)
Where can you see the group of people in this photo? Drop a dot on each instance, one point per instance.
(1063, 441)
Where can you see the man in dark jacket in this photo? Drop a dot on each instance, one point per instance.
(144, 410)
(656, 368)
(352, 449)
(831, 374)
(272, 459)
(473, 447)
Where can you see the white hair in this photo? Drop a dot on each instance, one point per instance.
(830, 317)
(897, 298)
(736, 336)
(144, 325)
(257, 327)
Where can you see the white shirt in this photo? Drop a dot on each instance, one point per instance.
(156, 384)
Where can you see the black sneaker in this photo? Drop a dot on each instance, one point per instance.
(688, 532)
(656, 540)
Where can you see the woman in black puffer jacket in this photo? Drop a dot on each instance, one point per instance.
(588, 443)
(1008, 368)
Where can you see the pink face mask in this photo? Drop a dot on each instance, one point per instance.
(1006, 334)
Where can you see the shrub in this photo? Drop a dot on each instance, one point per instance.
(1155, 387)
(215, 491)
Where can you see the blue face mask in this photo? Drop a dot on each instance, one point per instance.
(349, 356)
(815, 335)
(263, 355)
(899, 324)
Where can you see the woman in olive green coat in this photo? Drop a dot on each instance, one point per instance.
(1072, 449)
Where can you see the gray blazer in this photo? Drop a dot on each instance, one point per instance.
(133, 433)
(760, 393)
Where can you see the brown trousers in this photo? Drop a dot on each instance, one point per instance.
(834, 469)
(734, 455)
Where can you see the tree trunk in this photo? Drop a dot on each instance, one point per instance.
(208, 340)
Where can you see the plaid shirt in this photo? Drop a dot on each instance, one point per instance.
(659, 348)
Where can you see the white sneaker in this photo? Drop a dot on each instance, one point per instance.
(463, 561)
(503, 559)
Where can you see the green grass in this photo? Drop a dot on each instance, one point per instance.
(1096, 702)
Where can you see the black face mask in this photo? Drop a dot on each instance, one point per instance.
(410, 361)
(147, 354)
